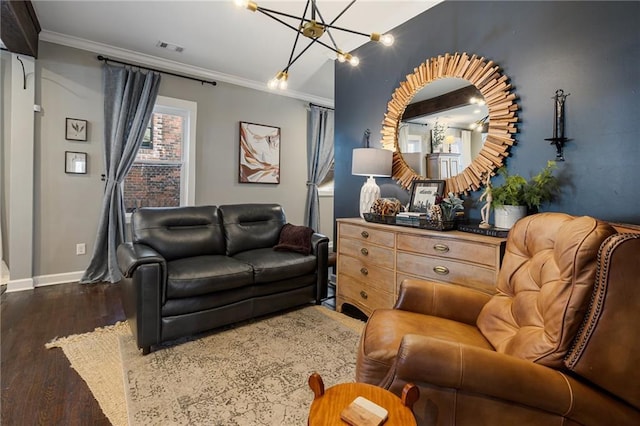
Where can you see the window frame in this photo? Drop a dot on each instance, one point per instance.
(188, 110)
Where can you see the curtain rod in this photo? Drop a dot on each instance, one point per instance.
(105, 59)
(320, 106)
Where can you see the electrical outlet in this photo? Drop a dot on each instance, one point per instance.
(81, 248)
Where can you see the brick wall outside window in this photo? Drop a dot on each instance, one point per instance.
(154, 179)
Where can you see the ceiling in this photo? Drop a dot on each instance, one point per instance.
(221, 41)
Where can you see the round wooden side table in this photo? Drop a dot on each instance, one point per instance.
(327, 405)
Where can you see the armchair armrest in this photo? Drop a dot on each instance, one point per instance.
(495, 375)
(448, 301)
(130, 256)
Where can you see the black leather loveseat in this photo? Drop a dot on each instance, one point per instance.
(191, 269)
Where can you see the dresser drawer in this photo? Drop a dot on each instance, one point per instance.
(368, 253)
(468, 251)
(444, 270)
(374, 236)
(374, 276)
(363, 297)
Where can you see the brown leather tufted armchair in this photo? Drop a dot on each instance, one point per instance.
(559, 342)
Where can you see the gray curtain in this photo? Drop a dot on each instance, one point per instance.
(129, 98)
(320, 149)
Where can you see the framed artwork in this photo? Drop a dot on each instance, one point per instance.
(424, 193)
(259, 153)
(75, 162)
(75, 129)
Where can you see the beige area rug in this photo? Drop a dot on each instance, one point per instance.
(254, 373)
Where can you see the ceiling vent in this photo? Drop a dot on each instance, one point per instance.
(170, 46)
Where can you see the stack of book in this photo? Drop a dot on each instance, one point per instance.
(410, 218)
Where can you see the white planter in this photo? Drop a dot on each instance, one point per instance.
(507, 216)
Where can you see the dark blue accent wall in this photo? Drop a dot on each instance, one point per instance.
(589, 49)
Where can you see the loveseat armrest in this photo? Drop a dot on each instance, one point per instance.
(448, 301)
(320, 249)
(130, 256)
(477, 371)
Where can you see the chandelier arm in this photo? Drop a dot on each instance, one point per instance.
(295, 42)
(275, 18)
(291, 62)
(268, 12)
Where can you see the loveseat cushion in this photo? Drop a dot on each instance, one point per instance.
(179, 232)
(251, 226)
(199, 275)
(270, 265)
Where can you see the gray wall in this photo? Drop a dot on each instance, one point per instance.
(67, 206)
(589, 49)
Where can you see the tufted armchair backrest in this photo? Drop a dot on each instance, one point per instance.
(544, 286)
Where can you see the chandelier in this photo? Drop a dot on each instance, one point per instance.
(313, 26)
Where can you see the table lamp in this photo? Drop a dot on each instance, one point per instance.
(371, 162)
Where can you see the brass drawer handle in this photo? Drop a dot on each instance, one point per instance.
(364, 251)
(364, 271)
(364, 234)
(441, 270)
(364, 294)
(442, 248)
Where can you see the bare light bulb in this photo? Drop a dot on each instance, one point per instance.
(272, 84)
(387, 39)
(241, 3)
(341, 57)
(354, 61)
(282, 85)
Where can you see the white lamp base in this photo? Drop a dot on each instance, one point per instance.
(369, 193)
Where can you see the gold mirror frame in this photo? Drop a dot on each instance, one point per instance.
(499, 98)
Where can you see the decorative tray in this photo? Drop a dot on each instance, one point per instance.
(415, 222)
(380, 218)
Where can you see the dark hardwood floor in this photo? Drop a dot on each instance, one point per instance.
(38, 385)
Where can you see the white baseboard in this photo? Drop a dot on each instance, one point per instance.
(20, 285)
(43, 281)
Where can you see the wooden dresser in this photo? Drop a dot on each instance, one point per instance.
(373, 259)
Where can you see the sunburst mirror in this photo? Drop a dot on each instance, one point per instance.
(500, 100)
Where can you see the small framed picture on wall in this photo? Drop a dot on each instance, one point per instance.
(75, 162)
(76, 129)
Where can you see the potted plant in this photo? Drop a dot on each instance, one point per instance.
(516, 195)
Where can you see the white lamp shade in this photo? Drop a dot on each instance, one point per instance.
(371, 162)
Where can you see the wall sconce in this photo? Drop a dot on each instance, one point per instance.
(558, 138)
(371, 162)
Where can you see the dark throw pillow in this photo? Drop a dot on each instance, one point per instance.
(295, 238)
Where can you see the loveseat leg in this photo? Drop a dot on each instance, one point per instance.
(146, 350)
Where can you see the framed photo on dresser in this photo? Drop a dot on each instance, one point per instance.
(424, 194)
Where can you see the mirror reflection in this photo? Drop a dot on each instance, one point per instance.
(443, 128)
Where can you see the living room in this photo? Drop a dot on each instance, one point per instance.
(589, 49)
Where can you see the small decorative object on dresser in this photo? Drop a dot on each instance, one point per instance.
(424, 194)
(75, 129)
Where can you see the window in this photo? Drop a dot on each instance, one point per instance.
(163, 172)
(325, 188)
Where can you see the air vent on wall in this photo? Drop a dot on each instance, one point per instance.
(170, 46)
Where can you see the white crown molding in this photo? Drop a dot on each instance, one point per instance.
(172, 66)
